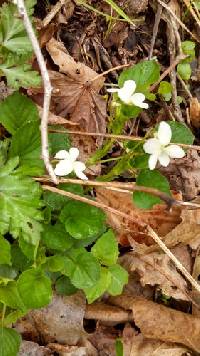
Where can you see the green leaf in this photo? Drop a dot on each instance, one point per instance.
(13, 35)
(152, 179)
(20, 76)
(184, 70)
(55, 263)
(26, 144)
(99, 287)
(20, 215)
(82, 268)
(55, 237)
(9, 296)
(64, 286)
(165, 89)
(188, 48)
(5, 255)
(19, 260)
(7, 273)
(144, 74)
(28, 249)
(181, 133)
(119, 277)
(82, 220)
(9, 342)
(119, 347)
(14, 119)
(34, 288)
(56, 201)
(12, 317)
(140, 161)
(106, 249)
(58, 141)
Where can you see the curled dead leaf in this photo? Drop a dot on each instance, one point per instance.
(156, 321)
(195, 112)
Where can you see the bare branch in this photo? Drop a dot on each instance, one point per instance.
(47, 87)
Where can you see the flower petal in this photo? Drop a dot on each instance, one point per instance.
(152, 146)
(62, 154)
(137, 99)
(79, 167)
(164, 159)
(164, 133)
(152, 161)
(63, 168)
(74, 153)
(175, 151)
(129, 86)
(113, 90)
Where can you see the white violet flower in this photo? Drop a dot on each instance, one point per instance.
(68, 163)
(128, 96)
(159, 148)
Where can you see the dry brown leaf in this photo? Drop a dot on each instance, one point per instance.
(187, 232)
(159, 218)
(61, 321)
(141, 346)
(156, 269)
(107, 313)
(55, 119)
(195, 112)
(75, 94)
(156, 321)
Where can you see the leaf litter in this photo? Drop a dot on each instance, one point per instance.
(160, 330)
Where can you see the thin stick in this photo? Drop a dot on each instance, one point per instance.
(110, 70)
(124, 188)
(152, 233)
(177, 263)
(47, 87)
(91, 202)
(55, 9)
(155, 29)
(119, 137)
(184, 86)
(178, 20)
(168, 70)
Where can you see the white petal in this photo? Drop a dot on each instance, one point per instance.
(137, 99)
(74, 153)
(164, 159)
(62, 154)
(113, 90)
(63, 168)
(79, 167)
(175, 151)
(152, 146)
(152, 161)
(124, 96)
(129, 86)
(164, 133)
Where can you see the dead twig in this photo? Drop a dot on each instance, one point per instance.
(110, 70)
(47, 87)
(155, 29)
(124, 187)
(119, 137)
(55, 9)
(168, 70)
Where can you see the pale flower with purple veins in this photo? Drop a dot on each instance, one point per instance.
(128, 96)
(159, 147)
(68, 163)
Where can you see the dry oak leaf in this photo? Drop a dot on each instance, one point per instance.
(157, 321)
(156, 269)
(195, 112)
(75, 93)
(141, 346)
(159, 218)
(187, 232)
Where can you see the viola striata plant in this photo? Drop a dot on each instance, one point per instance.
(68, 163)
